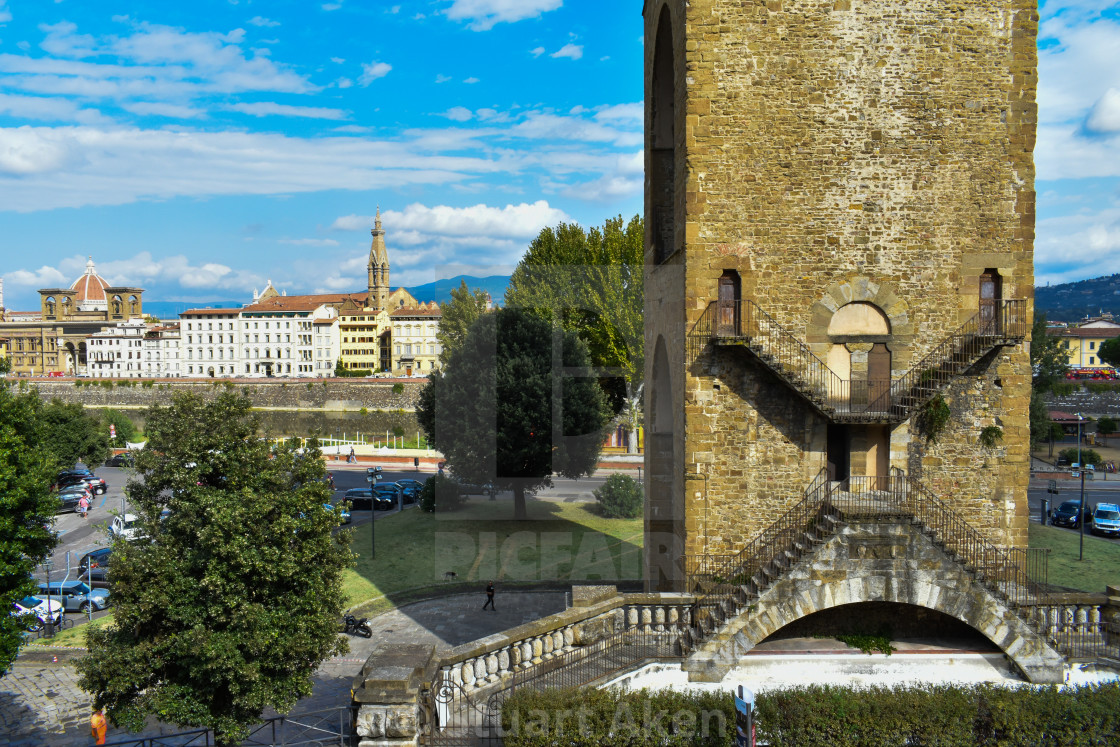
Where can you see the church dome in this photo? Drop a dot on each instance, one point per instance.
(90, 289)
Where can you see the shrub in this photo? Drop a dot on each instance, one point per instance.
(1088, 456)
(1065, 388)
(398, 388)
(441, 491)
(148, 383)
(935, 415)
(990, 435)
(621, 497)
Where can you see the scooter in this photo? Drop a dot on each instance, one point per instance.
(356, 626)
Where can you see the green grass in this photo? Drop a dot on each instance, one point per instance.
(1100, 568)
(557, 542)
(75, 636)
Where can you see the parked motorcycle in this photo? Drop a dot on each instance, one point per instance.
(356, 626)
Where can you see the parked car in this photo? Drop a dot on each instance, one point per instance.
(124, 459)
(45, 611)
(93, 568)
(126, 527)
(388, 494)
(68, 500)
(1068, 515)
(344, 512)
(359, 499)
(77, 476)
(74, 595)
(414, 485)
(1106, 519)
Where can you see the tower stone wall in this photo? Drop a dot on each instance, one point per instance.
(825, 154)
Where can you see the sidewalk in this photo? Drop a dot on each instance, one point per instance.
(41, 702)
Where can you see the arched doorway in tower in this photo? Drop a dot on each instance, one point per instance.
(991, 301)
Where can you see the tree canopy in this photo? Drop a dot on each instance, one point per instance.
(1109, 351)
(236, 598)
(457, 316)
(1048, 356)
(76, 434)
(27, 507)
(509, 409)
(592, 281)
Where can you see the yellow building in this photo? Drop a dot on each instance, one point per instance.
(1083, 342)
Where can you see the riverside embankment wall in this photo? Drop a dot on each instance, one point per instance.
(321, 394)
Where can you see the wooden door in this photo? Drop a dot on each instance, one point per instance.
(991, 292)
(727, 324)
(879, 378)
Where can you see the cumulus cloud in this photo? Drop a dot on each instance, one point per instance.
(372, 71)
(268, 109)
(5, 14)
(483, 15)
(480, 222)
(571, 51)
(161, 109)
(1077, 246)
(44, 277)
(1105, 115)
(458, 114)
(537, 51)
(263, 22)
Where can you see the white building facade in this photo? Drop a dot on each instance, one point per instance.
(161, 352)
(117, 352)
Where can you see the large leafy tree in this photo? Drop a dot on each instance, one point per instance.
(76, 434)
(591, 280)
(1109, 351)
(235, 599)
(508, 408)
(457, 316)
(1048, 356)
(26, 507)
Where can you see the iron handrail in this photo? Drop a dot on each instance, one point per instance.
(745, 322)
(726, 584)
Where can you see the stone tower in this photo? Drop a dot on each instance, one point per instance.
(378, 267)
(839, 280)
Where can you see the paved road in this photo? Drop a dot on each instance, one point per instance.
(41, 703)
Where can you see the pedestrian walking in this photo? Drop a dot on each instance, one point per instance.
(352, 458)
(98, 727)
(83, 506)
(490, 597)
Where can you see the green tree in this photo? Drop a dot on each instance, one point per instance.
(1109, 351)
(75, 434)
(27, 505)
(1106, 426)
(457, 316)
(1041, 425)
(125, 430)
(235, 600)
(1048, 356)
(493, 409)
(592, 281)
(1088, 456)
(5, 365)
(620, 497)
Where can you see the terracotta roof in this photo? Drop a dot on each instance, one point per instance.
(1057, 416)
(293, 303)
(204, 312)
(1090, 332)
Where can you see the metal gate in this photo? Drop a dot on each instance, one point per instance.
(450, 717)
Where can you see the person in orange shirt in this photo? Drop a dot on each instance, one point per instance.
(98, 726)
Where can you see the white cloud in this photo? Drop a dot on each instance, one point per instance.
(1077, 246)
(338, 60)
(268, 108)
(1105, 116)
(483, 15)
(470, 81)
(477, 221)
(44, 277)
(344, 83)
(543, 125)
(458, 114)
(571, 51)
(442, 78)
(634, 113)
(263, 22)
(5, 14)
(331, 6)
(372, 71)
(47, 109)
(174, 111)
(537, 52)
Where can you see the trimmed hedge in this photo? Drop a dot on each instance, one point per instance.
(821, 716)
(620, 497)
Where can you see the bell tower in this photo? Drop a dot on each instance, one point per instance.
(378, 267)
(839, 262)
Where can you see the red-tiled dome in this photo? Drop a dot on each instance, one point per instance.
(90, 287)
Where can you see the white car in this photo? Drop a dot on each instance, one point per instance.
(126, 527)
(46, 611)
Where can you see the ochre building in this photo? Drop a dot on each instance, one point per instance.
(840, 222)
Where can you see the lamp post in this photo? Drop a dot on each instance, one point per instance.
(1081, 504)
(50, 617)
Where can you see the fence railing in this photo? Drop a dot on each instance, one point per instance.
(331, 727)
(614, 654)
(725, 585)
(744, 322)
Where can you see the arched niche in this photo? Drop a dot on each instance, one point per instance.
(662, 141)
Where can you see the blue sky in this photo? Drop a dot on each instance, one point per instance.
(199, 149)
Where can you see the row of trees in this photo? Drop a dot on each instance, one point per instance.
(527, 391)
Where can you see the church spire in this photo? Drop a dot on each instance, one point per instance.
(378, 267)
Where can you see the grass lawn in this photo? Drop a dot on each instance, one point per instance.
(75, 636)
(1100, 568)
(558, 542)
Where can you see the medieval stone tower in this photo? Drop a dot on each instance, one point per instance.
(840, 225)
(378, 268)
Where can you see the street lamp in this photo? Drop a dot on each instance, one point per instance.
(50, 618)
(1081, 505)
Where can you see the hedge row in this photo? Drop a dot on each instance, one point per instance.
(820, 716)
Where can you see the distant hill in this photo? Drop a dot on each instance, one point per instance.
(439, 291)
(1072, 302)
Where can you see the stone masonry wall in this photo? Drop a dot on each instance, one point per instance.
(328, 395)
(821, 142)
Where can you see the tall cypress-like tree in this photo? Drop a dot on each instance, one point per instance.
(236, 598)
(511, 408)
(27, 468)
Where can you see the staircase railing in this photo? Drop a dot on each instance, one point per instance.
(744, 322)
(1001, 323)
(724, 585)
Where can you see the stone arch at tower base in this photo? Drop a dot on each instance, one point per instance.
(882, 561)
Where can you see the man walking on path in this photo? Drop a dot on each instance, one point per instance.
(98, 727)
(490, 597)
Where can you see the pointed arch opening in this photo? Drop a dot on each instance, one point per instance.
(663, 154)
